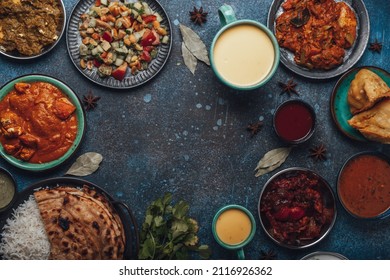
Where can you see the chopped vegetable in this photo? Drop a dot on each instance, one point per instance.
(117, 35)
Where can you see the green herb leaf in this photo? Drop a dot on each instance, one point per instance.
(168, 233)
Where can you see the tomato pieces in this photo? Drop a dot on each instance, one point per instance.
(120, 72)
(145, 56)
(148, 38)
(107, 36)
(149, 18)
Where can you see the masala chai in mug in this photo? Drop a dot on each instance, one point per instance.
(234, 227)
(244, 53)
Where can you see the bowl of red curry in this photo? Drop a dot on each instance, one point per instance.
(297, 208)
(42, 122)
(363, 185)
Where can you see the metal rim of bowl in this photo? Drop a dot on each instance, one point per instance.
(337, 255)
(332, 196)
(50, 47)
(15, 186)
(384, 214)
(362, 16)
(81, 129)
(306, 137)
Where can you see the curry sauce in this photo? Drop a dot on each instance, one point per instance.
(38, 122)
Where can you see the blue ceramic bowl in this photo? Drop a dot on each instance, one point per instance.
(80, 114)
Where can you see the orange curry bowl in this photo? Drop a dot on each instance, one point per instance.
(42, 122)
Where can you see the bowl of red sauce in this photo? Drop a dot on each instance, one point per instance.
(294, 121)
(297, 208)
(363, 185)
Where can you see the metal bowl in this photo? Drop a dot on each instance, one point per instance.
(327, 198)
(60, 32)
(384, 214)
(320, 255)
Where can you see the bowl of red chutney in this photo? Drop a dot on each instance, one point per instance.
(363, 185)
(294, 121)
(297, 208)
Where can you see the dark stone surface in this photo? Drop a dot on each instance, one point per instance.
(187, 135)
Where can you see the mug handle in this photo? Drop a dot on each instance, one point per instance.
(226, 14)
(241, 254)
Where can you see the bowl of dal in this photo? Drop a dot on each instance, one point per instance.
(363, 185)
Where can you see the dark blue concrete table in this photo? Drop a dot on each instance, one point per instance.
(187, 135)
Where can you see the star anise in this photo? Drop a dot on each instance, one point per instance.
(90, 101)
(268, 255)
(289, 87)
(254, 128)
(375, 46)
(198, 16)
(318, 152)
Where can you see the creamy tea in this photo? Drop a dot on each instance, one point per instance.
(233, 226)
(244, 55)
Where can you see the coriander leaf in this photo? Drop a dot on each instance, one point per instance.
(159, 221)
(147, 250)
(180, 209)
(204, 251)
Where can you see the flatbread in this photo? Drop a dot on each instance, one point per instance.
(374, 124)
(80, 224)
(366, 89)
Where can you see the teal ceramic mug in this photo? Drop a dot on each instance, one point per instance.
(233, 228)
(244, 54)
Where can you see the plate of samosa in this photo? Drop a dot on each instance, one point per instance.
(360, 104)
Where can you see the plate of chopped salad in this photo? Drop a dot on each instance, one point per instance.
(119, 44)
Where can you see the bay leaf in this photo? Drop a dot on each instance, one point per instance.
(194, 44)
(272, 160)
(85, 164)
(189, 59)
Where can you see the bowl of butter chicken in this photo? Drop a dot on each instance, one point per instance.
(42, 122)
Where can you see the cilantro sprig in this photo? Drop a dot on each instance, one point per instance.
(168, 233)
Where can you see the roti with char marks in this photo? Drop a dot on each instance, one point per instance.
(80, 223)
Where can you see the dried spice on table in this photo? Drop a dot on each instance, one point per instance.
(194, 44)
(268, 255)
(288, 87)
(318, 152)
(169, 233)
(198, 16)
(272, 160)
(375, 46)
(90, 101)
(85, 164)
(189, 59)
(254, 128)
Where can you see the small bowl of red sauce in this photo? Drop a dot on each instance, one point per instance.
(294, 121)
(363, 185)
(297, 208)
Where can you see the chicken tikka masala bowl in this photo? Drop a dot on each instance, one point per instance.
(42, 122)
